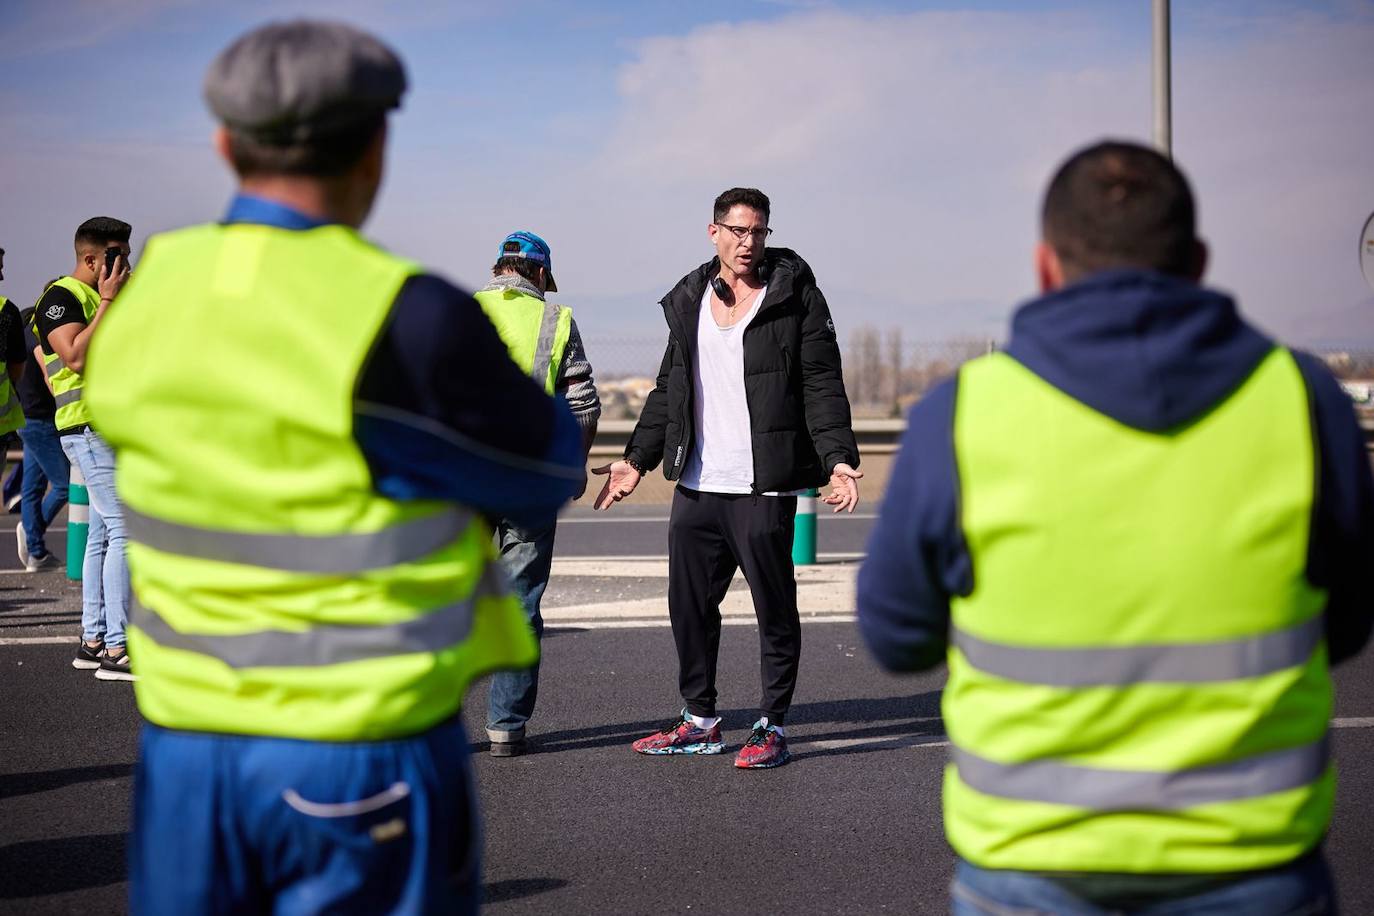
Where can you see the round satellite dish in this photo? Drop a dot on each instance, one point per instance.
(1367, 251)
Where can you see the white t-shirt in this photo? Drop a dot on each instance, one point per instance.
(722, 459)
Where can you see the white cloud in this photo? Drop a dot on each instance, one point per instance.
(906, 155)
(45, 27)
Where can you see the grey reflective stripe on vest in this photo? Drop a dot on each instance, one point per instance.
(67, 397)
(12, 403)
(1097, 789)
(54, 367)
(1184, 663)
(543, 347)
(303, 553)
(330, 644)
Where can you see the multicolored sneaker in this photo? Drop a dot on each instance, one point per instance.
(765, 748)
(682, 737)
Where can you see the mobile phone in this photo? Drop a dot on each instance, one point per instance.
(111, 254)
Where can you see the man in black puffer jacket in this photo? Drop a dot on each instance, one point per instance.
(749, 410)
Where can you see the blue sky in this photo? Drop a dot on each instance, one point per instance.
(905, 145)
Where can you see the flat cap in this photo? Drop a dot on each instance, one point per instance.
(290, 82)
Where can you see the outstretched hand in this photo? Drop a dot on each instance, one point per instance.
(621, 480)
(844, 488)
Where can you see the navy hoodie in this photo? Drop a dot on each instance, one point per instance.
(1151, 351)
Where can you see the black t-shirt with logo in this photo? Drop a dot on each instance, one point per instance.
(57, 307)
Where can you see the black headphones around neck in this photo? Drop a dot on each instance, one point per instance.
(723, 291)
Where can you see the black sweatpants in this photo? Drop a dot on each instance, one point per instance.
(710, 535)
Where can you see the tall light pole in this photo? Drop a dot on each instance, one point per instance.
(1163, 115)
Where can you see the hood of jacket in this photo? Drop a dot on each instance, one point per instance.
(784, 268)
(1150, 350)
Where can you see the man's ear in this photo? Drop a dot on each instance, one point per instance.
(1049, 270)
(1199, 265)
(373, 163)
(220, 140)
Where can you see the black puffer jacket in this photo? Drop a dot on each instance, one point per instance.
(798, 411)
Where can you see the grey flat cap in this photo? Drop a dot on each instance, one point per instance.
(289, 82)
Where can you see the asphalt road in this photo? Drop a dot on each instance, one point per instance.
(582, 824)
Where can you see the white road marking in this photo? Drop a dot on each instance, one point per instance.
(35, 640)
(906, 741)
(892, 743)
(1356, 722)
(602, 519)
(614, 558)
(631, 624)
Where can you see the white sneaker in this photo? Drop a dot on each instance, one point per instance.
(22, 543)
(36, 564)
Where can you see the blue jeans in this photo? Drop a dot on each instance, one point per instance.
(247, 824)
(105, 573)
(44, 464)
(1301, 888)
(526, 558)
(14, 480)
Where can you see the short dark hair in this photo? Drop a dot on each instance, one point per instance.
(99, 231)
(1119, 204)
(525, 267)
(752, 198)
(327, 156)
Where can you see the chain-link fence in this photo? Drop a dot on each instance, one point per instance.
(884, 372)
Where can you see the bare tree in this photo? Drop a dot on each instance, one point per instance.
(894, 368)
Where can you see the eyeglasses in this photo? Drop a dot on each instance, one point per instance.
(740, 232)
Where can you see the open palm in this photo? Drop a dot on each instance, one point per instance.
(621, 480)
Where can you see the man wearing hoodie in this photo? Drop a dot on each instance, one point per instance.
(749, 409)
(544, 341)
(1138, 537)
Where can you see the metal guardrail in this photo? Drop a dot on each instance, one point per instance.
(876, 437)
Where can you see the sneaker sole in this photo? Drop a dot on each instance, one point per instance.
(105, 674)
(786, 756)
(84, 666)
(683, 749)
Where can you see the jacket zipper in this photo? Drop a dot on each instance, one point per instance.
(680, 452)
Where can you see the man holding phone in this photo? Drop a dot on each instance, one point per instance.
(65, 320)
